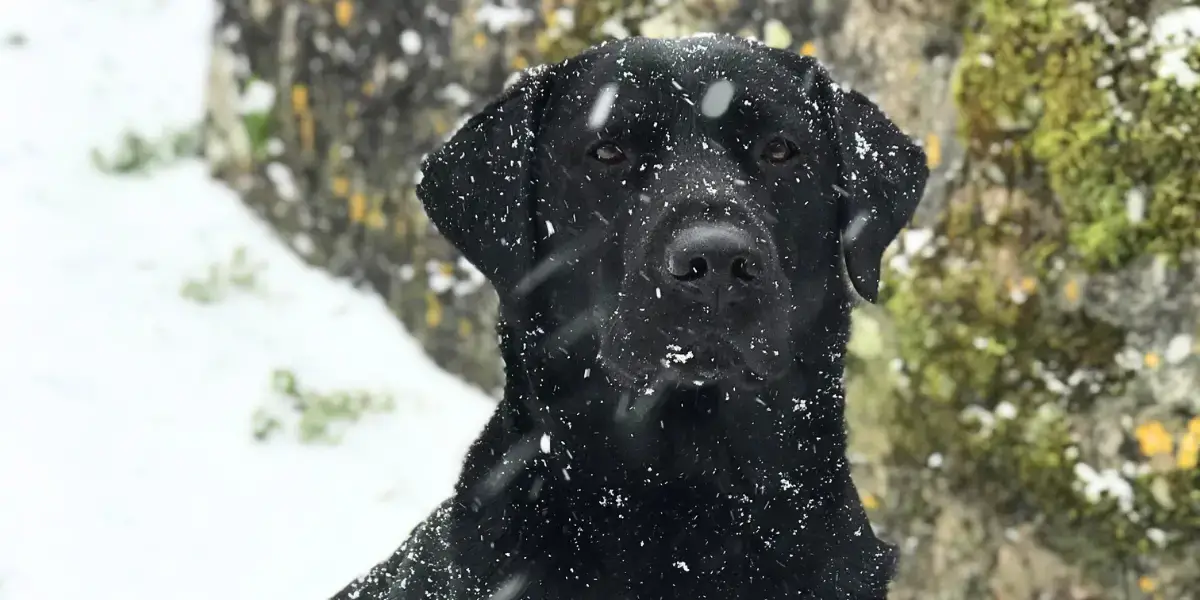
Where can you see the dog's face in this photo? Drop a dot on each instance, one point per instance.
(714, 182)
(678, 207)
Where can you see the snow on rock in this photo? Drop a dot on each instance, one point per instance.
(1178, 32)
(126, 456)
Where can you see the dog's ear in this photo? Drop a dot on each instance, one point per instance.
(883, 175)
(476, 187)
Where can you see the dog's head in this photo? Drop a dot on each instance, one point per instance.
(677, 206)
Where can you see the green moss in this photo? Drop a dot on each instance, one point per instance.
(1042, 92)
(988, 348)
(261, 125)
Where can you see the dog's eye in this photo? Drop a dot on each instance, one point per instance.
(778, 151)
(608, 153)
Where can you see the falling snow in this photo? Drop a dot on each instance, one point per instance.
(856, 226)
(717, 98)
(602, 107)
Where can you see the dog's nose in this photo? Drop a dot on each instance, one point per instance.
(708, 259)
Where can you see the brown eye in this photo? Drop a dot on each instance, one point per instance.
(608, 153)
(778, 151)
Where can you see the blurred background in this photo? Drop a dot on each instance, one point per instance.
(236, 361)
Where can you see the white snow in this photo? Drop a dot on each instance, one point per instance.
(1178, 31)
(1178, 349)
(499, 18)
(1106, 482)
(126, 462)
(1135, 204)
(410, 41)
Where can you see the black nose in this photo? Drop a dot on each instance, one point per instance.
(713, 261)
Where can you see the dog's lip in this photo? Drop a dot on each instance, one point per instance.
(711, 360)
(688, 374)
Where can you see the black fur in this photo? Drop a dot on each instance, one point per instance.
(717, 475)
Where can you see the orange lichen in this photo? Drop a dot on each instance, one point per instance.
(1189, 449)
(358, 207)
(870, 501)
(299, 98)
(340, 186)
(343, 11)
(933, 150)
(1071, 291)
(1146, 584)
(433, 310)
(1153, 439)
(375, 219)
(1152, 360)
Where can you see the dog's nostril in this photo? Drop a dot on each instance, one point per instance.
(697, 268)
(685, 268)
(744, 269)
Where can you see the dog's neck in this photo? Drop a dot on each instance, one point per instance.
(779, 488)
(727, 441)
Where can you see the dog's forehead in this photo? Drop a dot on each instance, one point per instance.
(655, 71)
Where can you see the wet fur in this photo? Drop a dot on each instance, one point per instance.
(655, 489)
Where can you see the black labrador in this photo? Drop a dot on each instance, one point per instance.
(670, 225)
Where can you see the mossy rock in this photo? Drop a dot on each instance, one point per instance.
(1011, 393)
(1059, 89)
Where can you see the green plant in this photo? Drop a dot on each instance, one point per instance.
(318, 417)
(136, 154)
(238, 274)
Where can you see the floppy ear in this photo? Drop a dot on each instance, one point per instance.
(883, 176)
(476, 188)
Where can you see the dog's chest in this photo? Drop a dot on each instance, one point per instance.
(692, 555)
(665, 578)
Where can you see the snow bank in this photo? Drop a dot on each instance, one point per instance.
(126, 462)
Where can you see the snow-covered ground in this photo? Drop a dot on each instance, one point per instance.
(127, 467)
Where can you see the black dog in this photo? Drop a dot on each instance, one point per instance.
(665, 222)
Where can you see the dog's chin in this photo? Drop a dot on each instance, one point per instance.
(690, 368)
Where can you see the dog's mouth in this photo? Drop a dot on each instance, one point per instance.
(646, 336)
(714, 360)
(708, 362)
